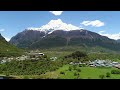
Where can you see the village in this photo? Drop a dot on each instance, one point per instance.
(28, 56)
(99, 63)
(32, 55)
(36, 55)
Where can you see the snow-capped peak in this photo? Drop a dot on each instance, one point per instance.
(56, 25)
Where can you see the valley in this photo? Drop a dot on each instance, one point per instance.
(49, 67)
(58, 50)
(55, 63)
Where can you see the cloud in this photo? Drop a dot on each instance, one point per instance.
(1, 30)
(7, 39)
(111, 36)
(56, 13)
(95, 23)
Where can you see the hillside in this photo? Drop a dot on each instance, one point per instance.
(7, 49)
(34, 39)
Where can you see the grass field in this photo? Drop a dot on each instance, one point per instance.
(86, 73)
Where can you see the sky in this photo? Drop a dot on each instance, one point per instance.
(106, 23)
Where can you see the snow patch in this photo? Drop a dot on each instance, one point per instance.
(55, 25)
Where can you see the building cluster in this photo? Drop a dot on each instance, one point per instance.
(28, 56)
(99, 63)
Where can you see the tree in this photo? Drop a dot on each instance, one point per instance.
(76, 74)
(70, 68)
(107, 74)
(74, 67)
(79, 70)
(62, 72)
(45, 56)
(115, 72)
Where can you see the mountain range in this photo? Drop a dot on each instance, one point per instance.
(59, 34)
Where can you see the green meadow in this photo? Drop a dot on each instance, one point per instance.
(85, 73)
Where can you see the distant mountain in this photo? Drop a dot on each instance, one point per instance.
(6, 49)
(33, 39)
(26, 38)
(59, 34)
(118, 40)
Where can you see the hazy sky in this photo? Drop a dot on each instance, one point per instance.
(103, 22)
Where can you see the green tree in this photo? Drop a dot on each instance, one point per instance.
(45, 56)
(107, 74)
(115, 71)
(61, 72)
(76, 74)
(79, 70)
(70, 68)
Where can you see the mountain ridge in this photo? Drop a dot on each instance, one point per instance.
(58, 34)
(34, 39)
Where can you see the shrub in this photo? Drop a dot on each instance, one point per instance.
(107, 74)
(79, 70)
(45, 56)
(76, 74)
(70, 68)
(74, 67)
(82, 65)
(62, 72)
(26, 77)
(115, 72)
(101, 76)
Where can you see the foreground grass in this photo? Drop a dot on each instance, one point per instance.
(86, 73)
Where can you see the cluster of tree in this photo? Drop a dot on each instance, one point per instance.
(105, 76)
(104, 56)
(77, 56)
(36, 67)
(115, 71)
(29, 67)
(44, 64)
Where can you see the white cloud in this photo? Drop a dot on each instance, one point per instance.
(7, 39)
(111, 36)
(56, 12)
(95, 23)
(1, 30)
